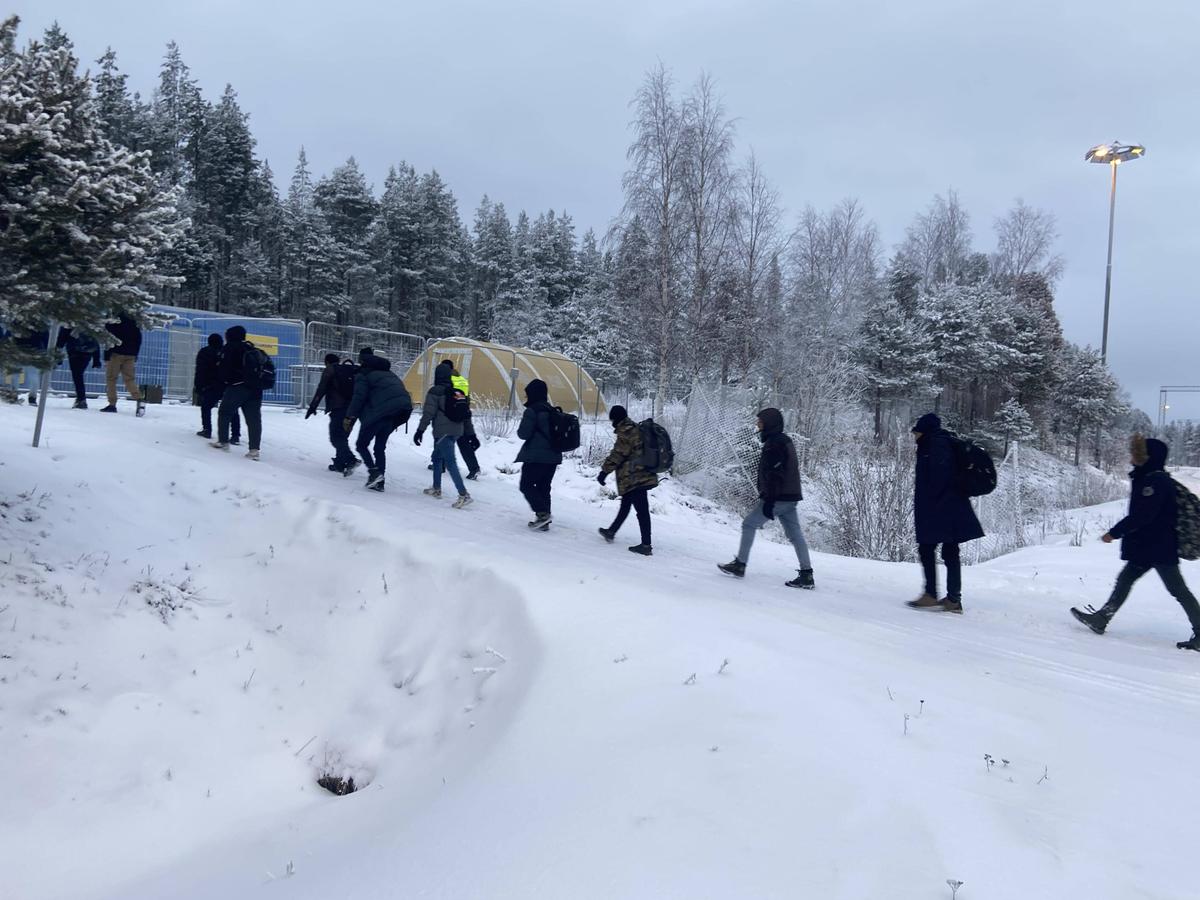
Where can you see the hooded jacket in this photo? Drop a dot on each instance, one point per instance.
(233, 356)
(778, 467)
(208, 365)
(942, 514)
(434, 409)
(378, 392)
(534, 429)
(128, 335)
(1147, 533)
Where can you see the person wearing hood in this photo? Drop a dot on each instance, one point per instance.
(1149, 539)
(435, 413)
(633, 482)
(122, 360)
(207, 384)
(779, 493)
(538, 457)
(336, 387)
(942, 514)
(380, 404)
(469, 442)
(238, 371)
(83, 350)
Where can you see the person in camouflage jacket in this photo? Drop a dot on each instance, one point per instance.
(633, 481)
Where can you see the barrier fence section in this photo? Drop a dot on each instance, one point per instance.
(1001, 513)
(321, 338)
(717, 447)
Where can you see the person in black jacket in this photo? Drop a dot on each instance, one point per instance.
(779, 493)
(208, 387)
(336, 388)
(239, 373)
(1149, 539)
(538, 457)
(942, 514)
(82, 350)
(122, 360)
(381, 404)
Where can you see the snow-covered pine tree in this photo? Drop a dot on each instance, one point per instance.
(395, 241)
(441, 293)
(124, 119)
(350, 209)
(1087, 393)
(896, 355)
(491, 263)
(312, 290)
(1011, 423)
(81, 221)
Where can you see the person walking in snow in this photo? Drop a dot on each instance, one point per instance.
(239, 371)
(942, 514)
(82, 350)
(437, 411)
(469, 442)
(779, 494)
(1149, 539)
(538, 457)
(122, 360)
(634, 483)
(208, 386)
(381, 404)
(336, 388)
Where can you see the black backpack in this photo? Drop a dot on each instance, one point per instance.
(657, 455)
(343, 379)
(258, 368)
(974, 471)
(456, 406)
(564, 430)
(1187, 522)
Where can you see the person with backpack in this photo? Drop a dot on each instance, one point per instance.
(122, 360)
(779, 494)
(539, 457)
(942, 514)
(469, 442)
(82, 350)
(336, 388)
(445, 410)
(634, 481)
(1149, 537)
(208, 386)
(381, 404)
(242, 371)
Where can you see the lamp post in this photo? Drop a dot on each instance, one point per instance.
(1112, 155)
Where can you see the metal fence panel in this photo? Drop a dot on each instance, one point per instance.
(321, 338)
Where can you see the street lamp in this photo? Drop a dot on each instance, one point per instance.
(1112, 155)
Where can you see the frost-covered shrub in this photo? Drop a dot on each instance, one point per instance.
(867, 503)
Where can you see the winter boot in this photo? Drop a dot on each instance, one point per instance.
(803, 580)
(432, 492)
(376, 485)
(82, 404)
(463, 500)
(1191, 644)
(926, 601)
(1093, 618)
(608, 534)
(112, 407)
(334, 467)
(737, 568)
(373, 477)
(473, 476)
(952, 604)
(541, 523)
(32, 399)
(349, 468)
(207, 435)
(252, 454)
(642, 550)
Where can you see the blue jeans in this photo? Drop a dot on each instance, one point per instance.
(444, 456)
(33, 379)
(785, 512)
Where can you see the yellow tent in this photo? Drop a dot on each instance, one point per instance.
(489, 368)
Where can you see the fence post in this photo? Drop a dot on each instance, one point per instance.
(44, 385)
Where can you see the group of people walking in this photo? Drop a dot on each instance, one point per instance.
(229, 378)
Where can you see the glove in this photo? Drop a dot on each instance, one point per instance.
(417, 438)
(348, 424)
(600, 478)
(769, 509)
(310, 414)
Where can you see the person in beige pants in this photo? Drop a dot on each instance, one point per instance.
(121, 360)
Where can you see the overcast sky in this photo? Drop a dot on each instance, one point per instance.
(886, 101)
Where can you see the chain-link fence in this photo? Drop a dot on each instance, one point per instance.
(321, 338)
(1001, 513)
(717, 446)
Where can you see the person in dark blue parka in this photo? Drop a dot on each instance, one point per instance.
(942, 514)
(1149, 539)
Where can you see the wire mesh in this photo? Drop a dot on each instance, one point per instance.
(321, 338)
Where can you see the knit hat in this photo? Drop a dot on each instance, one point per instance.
(617, 414)
(1156, 451)
(365, 351)
(928, 424)
(536, 391)
(215, 340)
(235, 333)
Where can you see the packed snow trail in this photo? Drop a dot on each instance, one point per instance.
(840, 753)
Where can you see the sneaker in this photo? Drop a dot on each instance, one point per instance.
(432, 492)
(463, 500)
(112, 407)
(80, 404)
(642, 550)
(737, 568)
(204, 434)
(252, 454)
(1193, 643)
(376, 485)
(952, 605)
(349, 468)
(237, 442)
(32, 400)
(374, 476)
(608, 534)
(926, 601)
(541, 522)
(473, 476)
(1092, 619)
(804, 580)
(219, 445)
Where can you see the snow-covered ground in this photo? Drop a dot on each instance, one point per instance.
(188, 639)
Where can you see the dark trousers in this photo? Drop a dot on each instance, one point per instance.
(247, 400)
(379, 432)
(467, 449)
(79, 363)
(210, 399)
(536, 479)
(339, 439)
(639, 499)
(953, 569)
(1172, 580)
